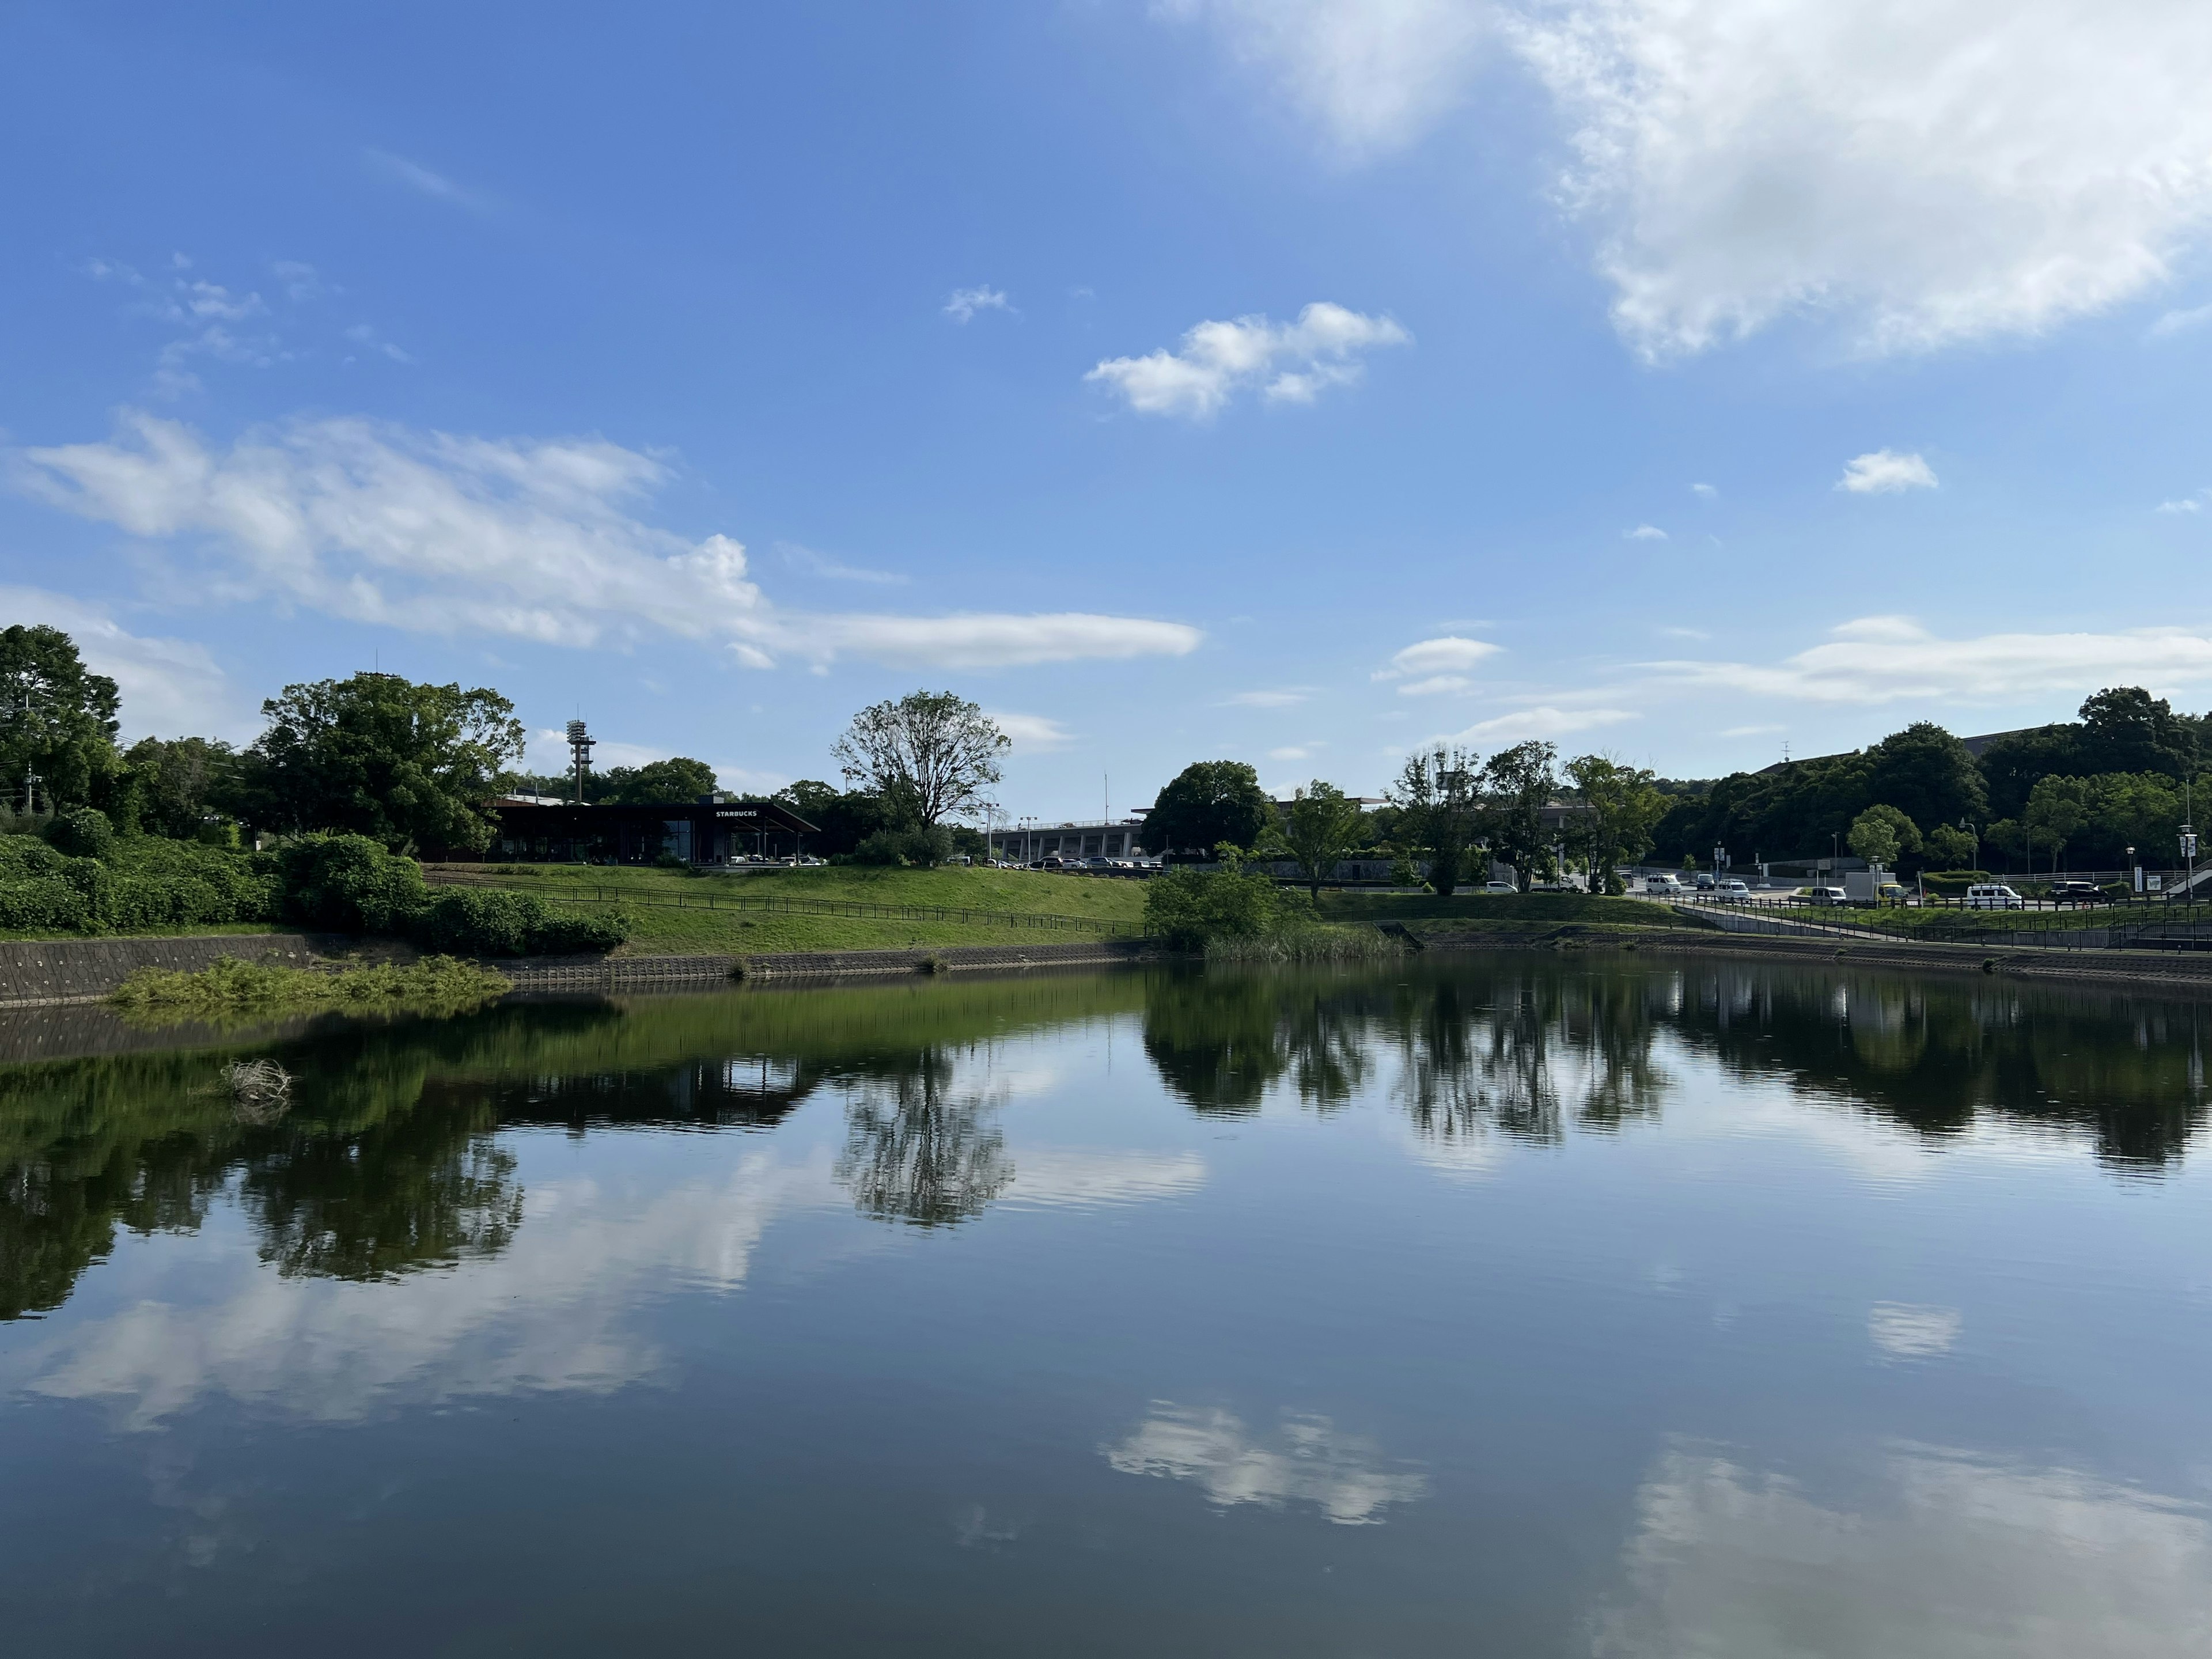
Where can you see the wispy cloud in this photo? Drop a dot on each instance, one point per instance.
(1644, 532)
(1884, 472)
(1032, 733)
(1433, 667)
(2181, 322)
(1705, 492)
(520, 538)
(170, 687)
(821, 564)
(1288, 698)
(1543, 720)
(2187, 503)
(1292, 362)
(962, 303)
(1879, 660)
(417, 178)
(1296, 751)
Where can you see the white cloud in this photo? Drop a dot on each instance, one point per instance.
(2187, 503)
(1686, 633)
(1372, 73)
(1067, 1177)
(1877, 660)
(820, 564)
(1032, 733)
(2181, 322)
(362, 335)
(1434, 661)
(169, 687)
(1295, 752)
(962, 303)
(1343, 1476)
(1705, 492)
(1752, 731)
(1436, 685)
(418, 178)
(1541, 721)
(1288, 698)
(1934, 1551)
(1296, 360)
(1884, 472)
(1905, 1332)
(1926, 171)
(1644, 532)
(522, 538)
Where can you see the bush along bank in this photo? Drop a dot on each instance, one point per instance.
(79, 877)
(1240, 915)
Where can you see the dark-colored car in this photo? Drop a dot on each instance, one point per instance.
(2079, 892)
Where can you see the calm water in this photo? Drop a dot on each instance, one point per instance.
(1518, 1308)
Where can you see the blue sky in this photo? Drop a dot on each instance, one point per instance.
(1292, 382)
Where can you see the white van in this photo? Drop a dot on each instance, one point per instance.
(1994, 896)
(1666, 885)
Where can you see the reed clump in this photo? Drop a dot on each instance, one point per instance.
(231, 987)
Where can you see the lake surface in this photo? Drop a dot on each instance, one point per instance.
(1518, 1307)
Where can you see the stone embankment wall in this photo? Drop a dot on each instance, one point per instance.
(44, 972)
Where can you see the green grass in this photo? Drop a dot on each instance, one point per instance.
(193, 930)
(994, 899)
(228, 987)
(1487, 909)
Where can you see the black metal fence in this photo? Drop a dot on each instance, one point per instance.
(2110, 928)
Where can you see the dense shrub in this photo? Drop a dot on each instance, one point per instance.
(82, 832)
(926, 845)
(350, 884)
(143, 882)
(1190, 909)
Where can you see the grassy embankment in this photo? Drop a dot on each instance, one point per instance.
(1543, 918)
(673, 913)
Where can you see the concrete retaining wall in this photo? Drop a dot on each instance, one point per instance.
(43, 972)
(645, 973)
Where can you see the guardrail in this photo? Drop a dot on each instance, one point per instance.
(2037, 930)
(644, 898)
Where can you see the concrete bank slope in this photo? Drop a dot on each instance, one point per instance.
(55, 972)
(58, 973)
(2187, 972)
(647, 973)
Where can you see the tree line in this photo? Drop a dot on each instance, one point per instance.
(2083, 791)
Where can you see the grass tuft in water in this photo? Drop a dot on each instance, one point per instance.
(230, 986)
(1321, 944)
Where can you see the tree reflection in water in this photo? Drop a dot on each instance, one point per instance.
(913, 1153)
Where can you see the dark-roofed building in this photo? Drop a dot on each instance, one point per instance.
(698, 832)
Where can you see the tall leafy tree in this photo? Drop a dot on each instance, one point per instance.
(1517, 784)
(2125, 729)
(1927, 774)
(1205, 804)
(930, 754)
(678, 780)
(2056, 810)
(1881, 834)
(1321, 827)
(177, 786)
(57, 719)
(405, 764)
(1621, 806)
(1438, 795)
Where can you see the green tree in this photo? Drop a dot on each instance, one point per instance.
(1517, 784)
(2011, 764)
(656, 781)
(1881, 834)
(1437, 797)
(1950, 848)
(1621, 806)
(1926, 774)
(180, 787)
(57, 719)
(408, 766)
(931, 754)
(2057, 809)
(1205, 804)
(843, 819)
(2125, 729)
(1321, 827)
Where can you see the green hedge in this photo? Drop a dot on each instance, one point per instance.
(141, 883)
(341, 883)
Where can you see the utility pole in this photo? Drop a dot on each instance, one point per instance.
(581, 745)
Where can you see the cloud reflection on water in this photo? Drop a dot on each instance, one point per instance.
(1343, 1476)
